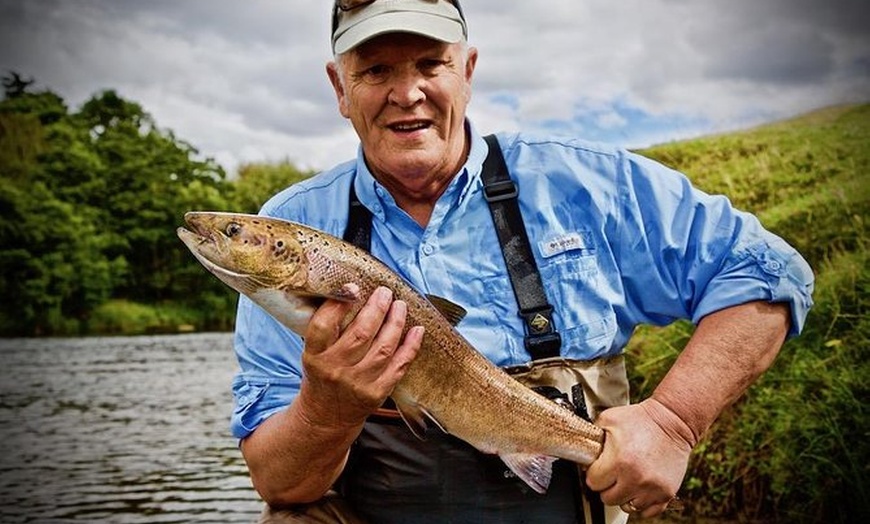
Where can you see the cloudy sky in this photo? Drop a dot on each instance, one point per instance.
(244, 80)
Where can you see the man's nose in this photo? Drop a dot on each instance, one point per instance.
(407, 89)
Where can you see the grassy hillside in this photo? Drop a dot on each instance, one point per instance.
(796, 448)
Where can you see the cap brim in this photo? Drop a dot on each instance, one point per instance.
(435, 27)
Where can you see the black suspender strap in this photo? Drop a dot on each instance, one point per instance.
(542, 340)
(359, 223)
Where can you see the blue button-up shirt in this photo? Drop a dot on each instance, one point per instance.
(619, 241)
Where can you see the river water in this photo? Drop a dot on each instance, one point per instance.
(126, 430)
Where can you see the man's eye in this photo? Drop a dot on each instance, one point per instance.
(431, 66)
(375, 74)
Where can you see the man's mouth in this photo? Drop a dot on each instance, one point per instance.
(409, 127)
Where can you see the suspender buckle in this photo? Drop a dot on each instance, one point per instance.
(542, 340)
(501, 190)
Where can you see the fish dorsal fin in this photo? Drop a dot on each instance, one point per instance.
(453, 312)
(534, 470)
(415, 416)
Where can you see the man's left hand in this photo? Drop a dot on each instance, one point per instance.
(645, 456)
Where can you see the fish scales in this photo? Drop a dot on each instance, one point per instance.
(281, 265)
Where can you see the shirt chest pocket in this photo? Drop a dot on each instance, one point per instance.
(579, 293)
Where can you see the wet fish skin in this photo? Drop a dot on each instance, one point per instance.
(289, 269)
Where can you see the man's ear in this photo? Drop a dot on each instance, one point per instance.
(338, 87)
(470, 64)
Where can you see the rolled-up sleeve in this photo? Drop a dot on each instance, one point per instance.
(761, 266)
(689, 254)
(270, 372)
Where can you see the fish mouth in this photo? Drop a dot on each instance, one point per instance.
(203, 243)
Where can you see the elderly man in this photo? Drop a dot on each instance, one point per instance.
(614, 239)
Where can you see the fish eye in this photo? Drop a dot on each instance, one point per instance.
(233, 229)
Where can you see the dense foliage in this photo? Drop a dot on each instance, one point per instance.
(797, 447)
(90, 200)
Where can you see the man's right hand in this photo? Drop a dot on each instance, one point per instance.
(349, 373)
(297, 454)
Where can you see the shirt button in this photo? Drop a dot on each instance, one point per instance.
(428, 249)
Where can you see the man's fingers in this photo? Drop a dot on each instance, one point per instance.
(324, 328)
(405, 353)
(389, 336)
(361, 333)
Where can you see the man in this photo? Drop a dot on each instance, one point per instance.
(618, 240)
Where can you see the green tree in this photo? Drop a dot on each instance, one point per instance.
(90, 201)
(144, 172)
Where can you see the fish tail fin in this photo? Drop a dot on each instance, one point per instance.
(534, 470)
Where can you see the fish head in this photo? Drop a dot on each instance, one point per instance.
(247, 252)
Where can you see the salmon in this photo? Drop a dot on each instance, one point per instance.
(289, 269)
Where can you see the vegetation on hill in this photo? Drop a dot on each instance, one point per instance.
(796, 448)
(90, 199)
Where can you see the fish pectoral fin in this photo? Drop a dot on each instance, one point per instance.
(453, 312)
(415, 417)
(534, 470)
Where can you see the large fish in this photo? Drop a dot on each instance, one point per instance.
(289, 269)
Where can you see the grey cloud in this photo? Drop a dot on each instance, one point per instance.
(774, 55)
(243, 77)
(781, 41)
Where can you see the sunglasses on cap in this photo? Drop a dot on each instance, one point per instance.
(343, 6)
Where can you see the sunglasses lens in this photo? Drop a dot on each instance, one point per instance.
(347, 5)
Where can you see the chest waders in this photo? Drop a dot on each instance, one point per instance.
(393, 477)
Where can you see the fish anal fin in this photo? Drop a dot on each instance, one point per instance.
(534, 470)
(453, 312)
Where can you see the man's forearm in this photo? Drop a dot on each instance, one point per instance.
(728, 351)
(294, 460)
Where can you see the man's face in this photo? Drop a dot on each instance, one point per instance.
(406, 96)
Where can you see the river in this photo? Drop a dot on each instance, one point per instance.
(126, 430)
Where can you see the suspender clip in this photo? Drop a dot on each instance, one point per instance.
(543, 346)
(501, 190)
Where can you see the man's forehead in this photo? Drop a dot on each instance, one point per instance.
(400, 44)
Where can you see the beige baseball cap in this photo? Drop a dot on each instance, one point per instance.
(354, 22)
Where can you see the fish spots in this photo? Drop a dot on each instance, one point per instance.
(279, 248)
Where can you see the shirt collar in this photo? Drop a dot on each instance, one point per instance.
(376, 198)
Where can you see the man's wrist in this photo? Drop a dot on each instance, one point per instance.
(325, 416)
(671, 423)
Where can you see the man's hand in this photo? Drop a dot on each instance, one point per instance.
(645, 456)
(296, 455)
(349, 373)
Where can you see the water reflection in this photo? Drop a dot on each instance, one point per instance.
(120, 430)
